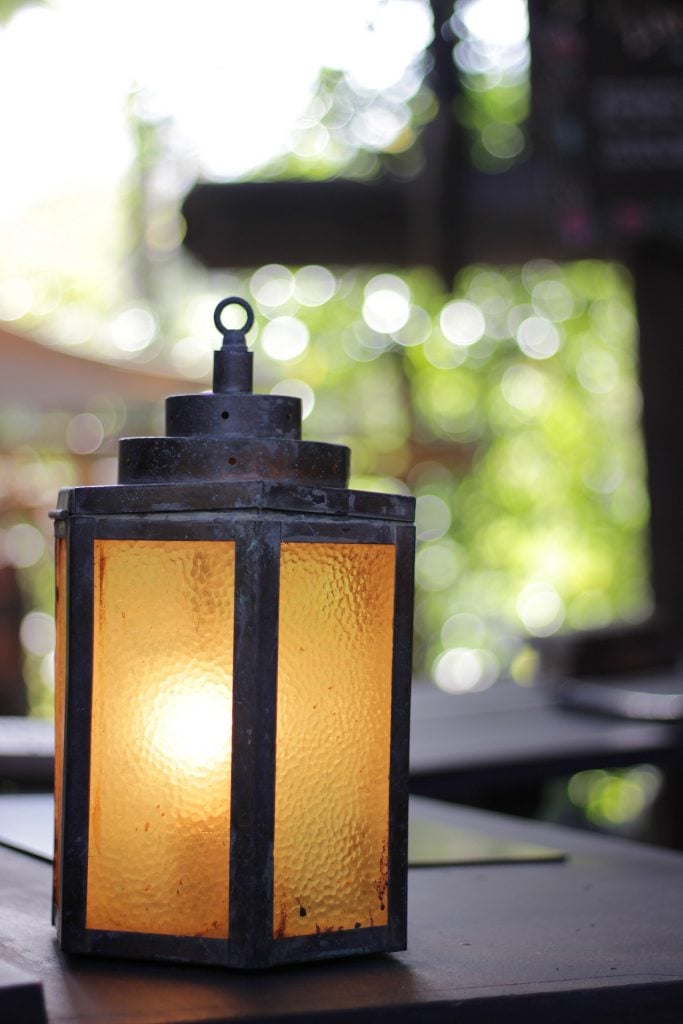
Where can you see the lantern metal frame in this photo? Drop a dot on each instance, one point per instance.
(258, 515)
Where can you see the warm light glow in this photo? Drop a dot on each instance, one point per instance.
(190, 724)
(159, 828)
(333, 737)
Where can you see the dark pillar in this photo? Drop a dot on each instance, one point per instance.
(658, 270)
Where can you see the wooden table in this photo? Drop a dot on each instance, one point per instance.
(595, 937)
(509, 736)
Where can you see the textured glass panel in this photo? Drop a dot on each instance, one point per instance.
(333, 736)
(161, 737)
(60, 696)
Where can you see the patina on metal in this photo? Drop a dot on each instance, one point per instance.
(232, 434)
(232, 466)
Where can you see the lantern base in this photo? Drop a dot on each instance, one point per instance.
(220, 953)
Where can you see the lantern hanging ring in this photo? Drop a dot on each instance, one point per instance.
(229, 333)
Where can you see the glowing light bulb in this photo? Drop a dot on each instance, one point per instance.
(190, 726)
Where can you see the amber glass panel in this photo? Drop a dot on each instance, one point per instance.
(60, 696)
(161, 737)
(333, 736)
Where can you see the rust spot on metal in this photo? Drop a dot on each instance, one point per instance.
(101, 563)
(383, 878)
(96, 822)
(282, 923)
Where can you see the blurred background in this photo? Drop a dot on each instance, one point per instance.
(460, 310)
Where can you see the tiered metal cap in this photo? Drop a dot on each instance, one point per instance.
(231, 434)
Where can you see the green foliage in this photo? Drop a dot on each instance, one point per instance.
(509, 407)
(494, 118)
(521, 445)
(357, 133)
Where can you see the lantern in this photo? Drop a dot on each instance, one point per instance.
(232, 688)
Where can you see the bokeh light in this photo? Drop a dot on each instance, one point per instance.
(498, 30)
(24, 545)
(464, 670)
(540, 608)
(524, 388)
(432, 517)
(416, 329)
(37, 633)
(84, 433)
(272, 285)
(314, 286)
(492, 56)
(285, 338)
(297, 389)
(538, 337)
(462, 322)
(615, 798)
(191, 357)
(133, 329)
(436, 565)
(387, 303)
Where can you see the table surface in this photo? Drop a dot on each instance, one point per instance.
(514, 734)
(597, 936)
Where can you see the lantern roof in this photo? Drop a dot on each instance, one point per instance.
(232, 449)
(230, 433)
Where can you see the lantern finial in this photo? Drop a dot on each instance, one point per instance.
(233, 337)
(233, 364)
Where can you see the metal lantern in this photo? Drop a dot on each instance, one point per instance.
(233, 673)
